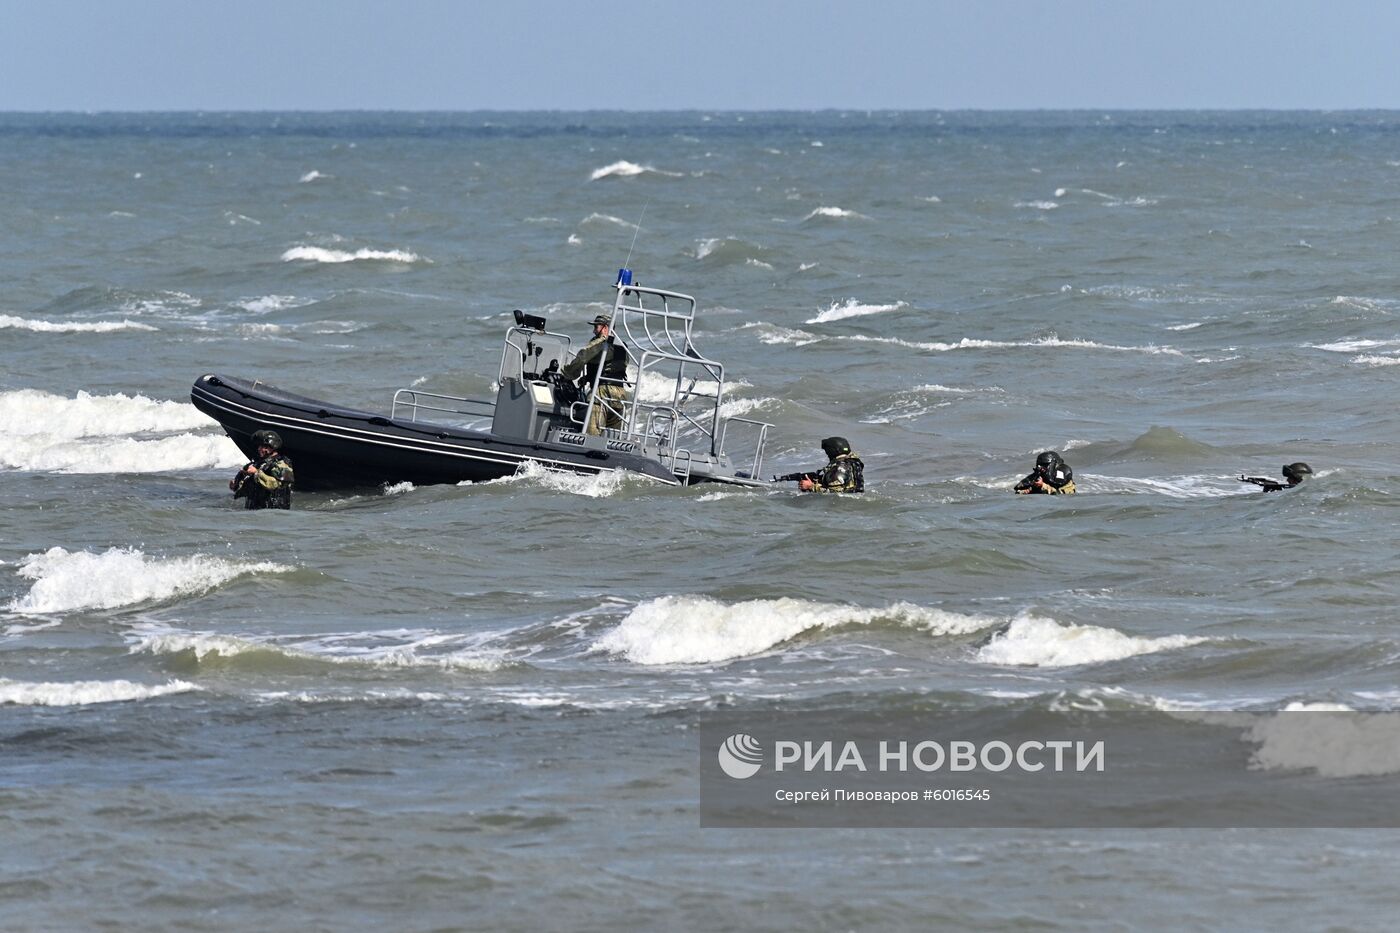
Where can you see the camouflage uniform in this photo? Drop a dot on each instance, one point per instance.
(606, 410)
(269, 488)
(846, 473)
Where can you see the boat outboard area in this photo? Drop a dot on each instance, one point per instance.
(673, 432)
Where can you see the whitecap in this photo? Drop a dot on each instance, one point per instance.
(701, 630)
(852, 308)
(85, 692)
(319, 254)
(312, 175)
(1351, 346)
(1032, 641)
(1326, 738)
(269, 303)
(592, 485)
(69, 581)
(70, 327)
(183, 452)
(1038, 205)
(836, 213)
(29, 412)
(624, 169)
(385, 650)
(1365, 360)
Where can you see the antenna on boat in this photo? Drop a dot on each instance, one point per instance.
(627, 264)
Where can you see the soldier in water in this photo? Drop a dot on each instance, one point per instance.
(1293, 474)
(844, 471)
(265, 483)
(1051, 477)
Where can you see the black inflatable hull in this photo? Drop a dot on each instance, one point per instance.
(338, 448)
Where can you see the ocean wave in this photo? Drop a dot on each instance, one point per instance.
(85, 692)
(1038, 205)
(658, 387)
(425, 651)
(834, 213)
(320, 254)
(1383, 305)
(720, 251)
(624, 169)
(26, 412)
(269, 303)
(773, 334)
(701, 630)
(313, 175)
(596, 218)
(852, 308)
(1032, 641)
(1351, 346)
(183, 452)
(592, 485)
(70, 581)
(1050, 342)
(1372, 360)
(70, 327)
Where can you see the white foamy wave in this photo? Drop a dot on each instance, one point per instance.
(593, 485)
(312, 176)
(270, 303)
(1383, 305)
(390, 652)
(1351, 346)
(25, 412)
(773, 334)
(969, 343)
(658, 387)
(737, 407)
(398, 489)
(41, 453)
(69, 327)
(1192, 326)
(67, 581)
(319, 254)
(1031, 641)
(626, 169)
(852, 308)
(700, 630)
(1200, 486)
(1038, 205)
(835, 213)
(607, 219)
(85, 692)
(1366, 360)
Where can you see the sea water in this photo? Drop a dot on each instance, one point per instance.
(474, 707)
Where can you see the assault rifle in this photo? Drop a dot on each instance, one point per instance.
(241, 480)
(795, 477)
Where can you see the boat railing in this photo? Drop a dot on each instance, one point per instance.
(756, 464)
(413, 401)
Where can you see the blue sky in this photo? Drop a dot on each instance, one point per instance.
(697, 54)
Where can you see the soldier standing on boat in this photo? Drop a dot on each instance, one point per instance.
(605, 410)
(265, 483)
(844, 471)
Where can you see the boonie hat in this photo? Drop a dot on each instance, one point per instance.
(601, 319)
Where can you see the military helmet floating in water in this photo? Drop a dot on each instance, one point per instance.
(267, 439)
(1295, 473)
(835, 447)
(1048, 460)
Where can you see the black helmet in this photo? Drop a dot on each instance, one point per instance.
(1048, 461)
(835, 447)
(267, 439)
(1295, 473)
